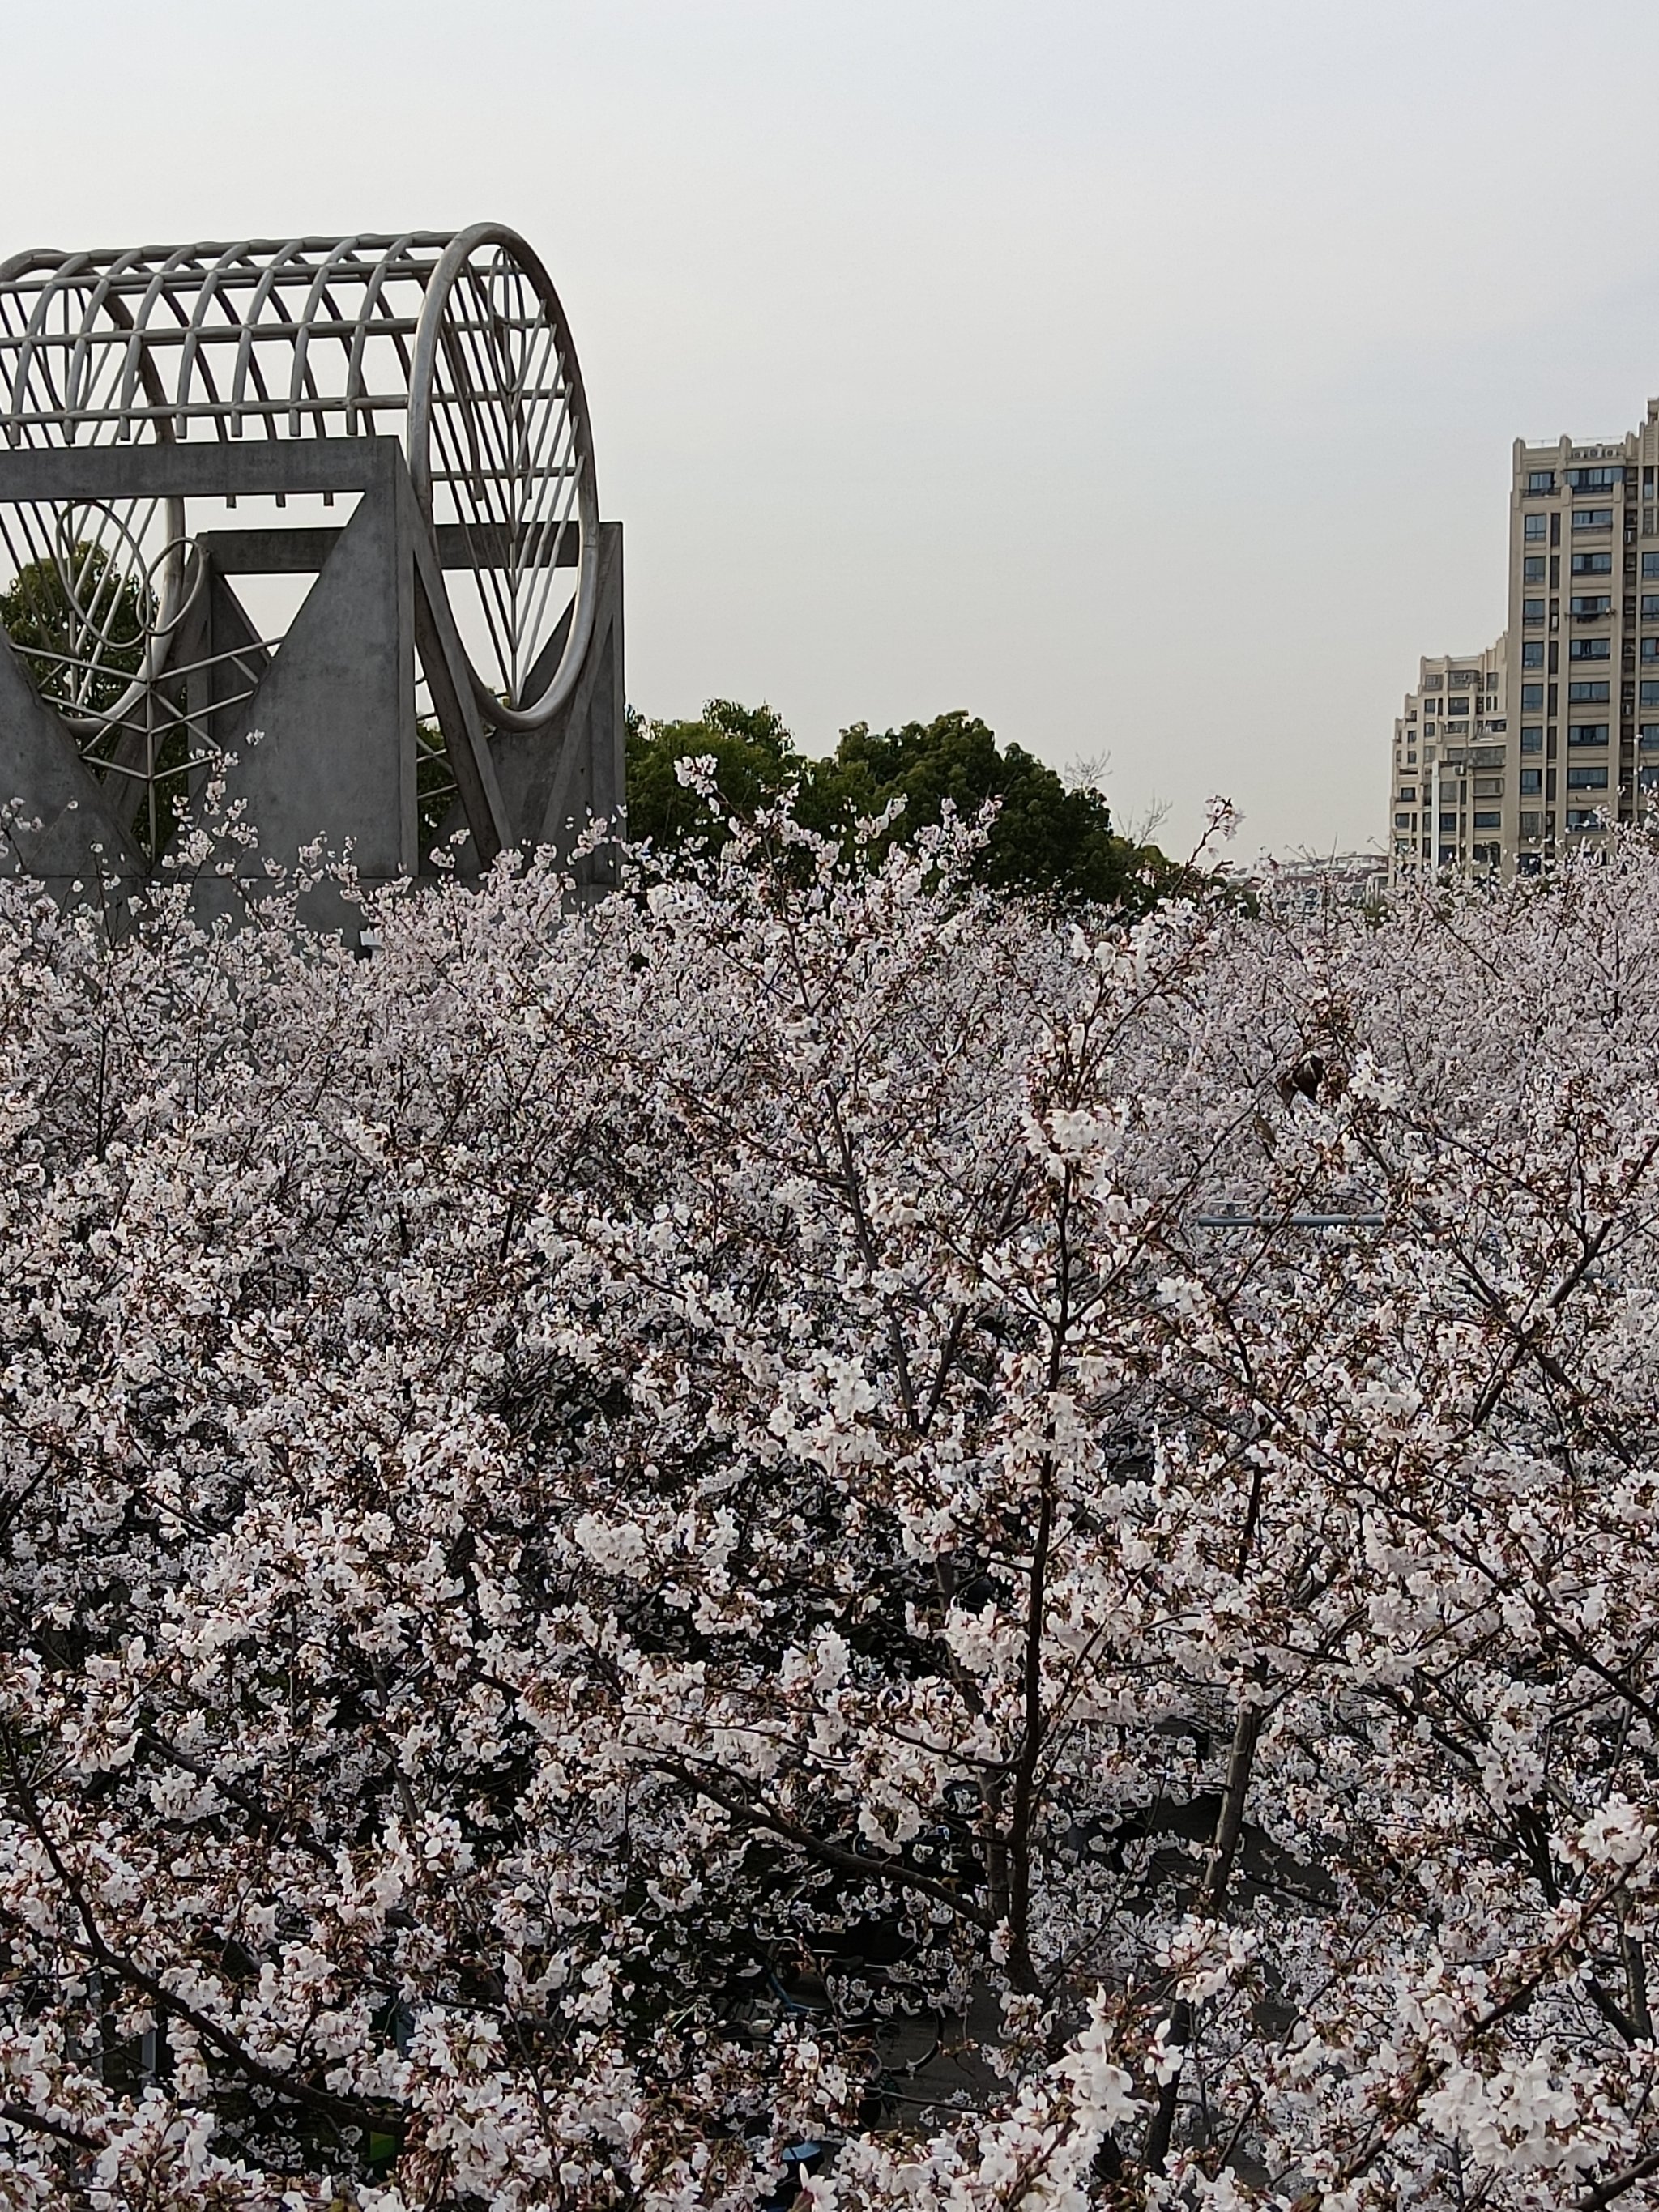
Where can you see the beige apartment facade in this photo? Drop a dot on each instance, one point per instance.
(1451, 762)
(1569, 740)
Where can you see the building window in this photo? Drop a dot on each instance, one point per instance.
(1650, 694)
(1647, 779)
(1594, 479)
(1532, 737)
(1589, 695)
(1448, 822)
(1651, 606)
(1592, 518)
(1587, 733)
(1532, 613)
(1404, 822)
(1532, 696)
(1649, 737)
(1541, 480)
(1532, 652)
(1529, 863)
(1532, 782)
(1582, 818)
(1591, 648)
(1589, 606)
(1650, 565)
(1532, 569)
(1650, 649)
(1583, 778)
(1488, 787)
(1592, 564)
(1408, 791)
(1536, 528)
(1487, 819)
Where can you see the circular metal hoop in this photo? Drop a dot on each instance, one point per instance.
(498, 444)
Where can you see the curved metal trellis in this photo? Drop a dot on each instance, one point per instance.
(455, 343)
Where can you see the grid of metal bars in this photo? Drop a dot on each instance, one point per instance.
(455, 343)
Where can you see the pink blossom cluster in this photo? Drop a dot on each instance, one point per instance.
(803, 1537)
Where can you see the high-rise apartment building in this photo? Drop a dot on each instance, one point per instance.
(1450, 767)
(1559, 732)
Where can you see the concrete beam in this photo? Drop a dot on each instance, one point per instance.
(302, 552)
(229, 468)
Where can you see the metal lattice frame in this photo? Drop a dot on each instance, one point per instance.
(455, 343)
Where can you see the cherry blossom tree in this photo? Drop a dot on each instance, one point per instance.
(800, 1535)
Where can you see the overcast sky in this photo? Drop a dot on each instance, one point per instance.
(1141, 377)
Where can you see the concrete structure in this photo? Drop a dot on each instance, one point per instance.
(1571, 737)
(454, 663)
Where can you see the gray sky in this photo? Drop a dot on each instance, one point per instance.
(1141, 377)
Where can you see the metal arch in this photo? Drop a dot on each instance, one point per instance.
(209, 293)
(68, 265)
(99, 298)
(366, 325)
(140, 361)
(453, 336)
(264, 291)
(335, 265)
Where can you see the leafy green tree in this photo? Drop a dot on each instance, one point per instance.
(1046, 841)
(54, 629)
(755, 758)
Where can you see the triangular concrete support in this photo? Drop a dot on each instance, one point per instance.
(79, 844)
(555, 782)
(325, 747)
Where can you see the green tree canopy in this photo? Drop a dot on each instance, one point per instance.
(81, 649)
(1047, 840)
(755, 758)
